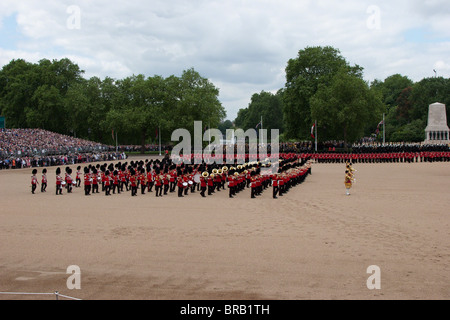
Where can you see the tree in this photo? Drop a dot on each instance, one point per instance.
(391, 88)
(345, 107)
(426, 92)
(197, 100)
(33, 94)
(224, 126)
(313, 67)
(265, 105)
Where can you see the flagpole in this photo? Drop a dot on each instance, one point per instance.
(316, 134)
(262, 130)
(117, 144)
(159, 135)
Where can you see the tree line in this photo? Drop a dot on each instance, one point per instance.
(54, 95)
(321, 85)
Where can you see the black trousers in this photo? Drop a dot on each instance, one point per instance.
(275, 191)
(43, 187)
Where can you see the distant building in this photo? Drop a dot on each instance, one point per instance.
(437, 131)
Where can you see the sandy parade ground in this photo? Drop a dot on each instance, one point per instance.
(313, 243)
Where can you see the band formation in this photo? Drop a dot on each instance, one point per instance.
(163, 177)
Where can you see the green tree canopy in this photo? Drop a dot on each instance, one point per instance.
(267, 105)
(313, 67)
(345, 107)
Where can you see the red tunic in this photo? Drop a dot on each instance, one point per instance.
(86, 179)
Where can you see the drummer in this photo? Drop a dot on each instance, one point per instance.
(166, 182)
(69, 180)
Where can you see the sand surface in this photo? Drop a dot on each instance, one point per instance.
(313, 243)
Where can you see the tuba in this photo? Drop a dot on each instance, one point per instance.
(225, 169)
(205, 174)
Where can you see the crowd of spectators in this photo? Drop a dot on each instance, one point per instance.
(30, 142)
(29, 148)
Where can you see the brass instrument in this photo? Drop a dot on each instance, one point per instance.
(205, 174)
(225, 169)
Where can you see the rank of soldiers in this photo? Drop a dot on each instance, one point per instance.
(163, 177)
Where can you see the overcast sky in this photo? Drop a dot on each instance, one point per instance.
(242, 46)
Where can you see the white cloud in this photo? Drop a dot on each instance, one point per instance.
(242, 46)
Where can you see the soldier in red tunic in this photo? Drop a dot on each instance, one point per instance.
(78, 178)
(275, 186)
(133, 182)
(158, 184)
(253, 184)
(44, 181)
(69, 180)
(142, 181)
(94, 177)
(231, 184)
(107, 183)
(210, 184)
(180, 182)
(59, 180)
(116, 182)
(87, 182)
(203, 183)
(166, 183)
(34, 181)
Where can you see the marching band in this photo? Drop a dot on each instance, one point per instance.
(166, 176)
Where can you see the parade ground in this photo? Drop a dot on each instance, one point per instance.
(313, 243)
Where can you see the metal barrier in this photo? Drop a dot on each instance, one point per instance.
(56, 294)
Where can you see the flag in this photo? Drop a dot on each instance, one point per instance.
(312, 131)
(258, 125)
(112, 135)
(378, 128)
(156, 133)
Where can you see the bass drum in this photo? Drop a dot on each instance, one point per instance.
(197, 178)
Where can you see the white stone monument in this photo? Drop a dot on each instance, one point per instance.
(437, 131)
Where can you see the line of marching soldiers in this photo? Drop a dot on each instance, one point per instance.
(166, 177)
(385, 157)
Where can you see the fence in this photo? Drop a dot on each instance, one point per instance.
(56, 294)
